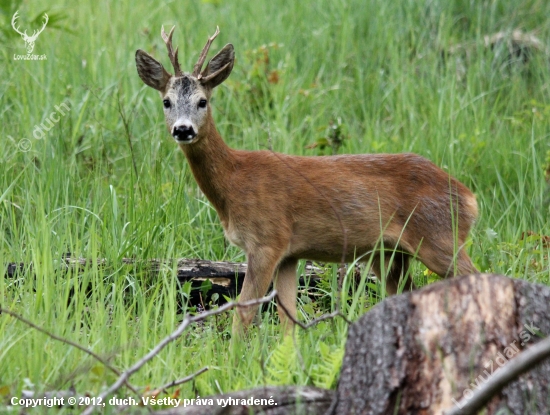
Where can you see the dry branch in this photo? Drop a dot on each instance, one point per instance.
(507, 47)
(188, 320)
(518, 44)
(182, 380)
(225, 277)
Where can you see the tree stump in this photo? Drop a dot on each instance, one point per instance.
(424, 351)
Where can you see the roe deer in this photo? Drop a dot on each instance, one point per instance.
(280, 208)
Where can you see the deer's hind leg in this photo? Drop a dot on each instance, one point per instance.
(395, 269)
(442, 259)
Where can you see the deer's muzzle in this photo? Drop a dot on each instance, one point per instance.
(183, 133)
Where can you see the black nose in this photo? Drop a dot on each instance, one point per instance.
(184, 133)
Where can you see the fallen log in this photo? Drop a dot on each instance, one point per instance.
(207, 278)
(518, 44)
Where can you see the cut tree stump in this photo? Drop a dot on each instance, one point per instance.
(421, 352)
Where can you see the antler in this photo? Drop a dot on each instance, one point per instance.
(198, 66)
(14, 22)
(172, 54)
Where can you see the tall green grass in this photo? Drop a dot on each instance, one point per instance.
(107, 182)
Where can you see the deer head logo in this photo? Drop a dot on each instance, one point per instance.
(29, 40)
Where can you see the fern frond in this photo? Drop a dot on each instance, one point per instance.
(325, 374)
(283, 362)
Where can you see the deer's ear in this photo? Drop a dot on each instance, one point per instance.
(151, 71)
(219, 67)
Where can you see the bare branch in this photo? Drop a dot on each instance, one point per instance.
(183, 380)
(507, 373)
(315, 321)
(66, 341)
(173, 336)
(172, 54)
(198, 66)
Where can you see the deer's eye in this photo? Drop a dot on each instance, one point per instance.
(166, 103)
(202, 103)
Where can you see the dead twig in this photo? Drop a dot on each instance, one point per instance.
(336, 313)
(183, 380)
(170, 338)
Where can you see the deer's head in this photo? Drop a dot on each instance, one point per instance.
(29, 40)
(186, 96)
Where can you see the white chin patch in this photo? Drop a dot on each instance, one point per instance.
(188, 140)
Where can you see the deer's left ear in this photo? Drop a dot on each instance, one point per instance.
(151, 71)
(219, 67)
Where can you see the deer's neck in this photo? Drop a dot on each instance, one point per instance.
(211, 161)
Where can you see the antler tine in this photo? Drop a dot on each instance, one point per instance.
(172, 54)
(198, 66)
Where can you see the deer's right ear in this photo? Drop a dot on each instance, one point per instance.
(151, 71)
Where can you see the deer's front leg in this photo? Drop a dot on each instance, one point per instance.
(286, 286)
(259, 274)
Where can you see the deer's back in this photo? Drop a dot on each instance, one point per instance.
(306, 197)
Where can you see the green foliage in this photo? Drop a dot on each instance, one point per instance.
(325, 373)
(333, 138)
(283, 362)
(527, 256)
(255, 90)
